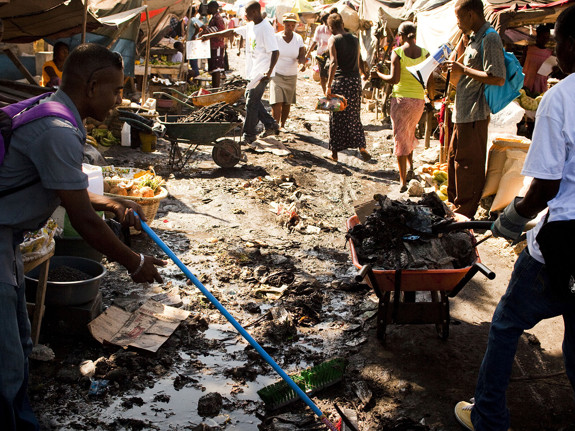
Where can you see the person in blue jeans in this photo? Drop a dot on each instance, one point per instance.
(194, 25)
(535, 291)
(262, 54)
(41, 170)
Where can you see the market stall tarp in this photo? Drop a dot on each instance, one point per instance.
(515, 14)
(120, 35)
(30, 20)
(395, 12)
(437, 26)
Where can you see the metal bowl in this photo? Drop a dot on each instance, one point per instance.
(66, 293)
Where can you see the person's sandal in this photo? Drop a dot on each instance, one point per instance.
(366, 157)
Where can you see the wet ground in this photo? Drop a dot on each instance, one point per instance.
(288, 278)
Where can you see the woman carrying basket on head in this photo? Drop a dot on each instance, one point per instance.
(408, 98)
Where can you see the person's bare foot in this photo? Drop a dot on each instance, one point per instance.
(332, 156)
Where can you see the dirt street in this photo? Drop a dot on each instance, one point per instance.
(224, 225)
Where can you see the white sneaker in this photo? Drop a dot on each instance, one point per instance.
(463, 414)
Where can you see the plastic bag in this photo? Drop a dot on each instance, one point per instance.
(335, 103)
(505, 121)
(37, 243)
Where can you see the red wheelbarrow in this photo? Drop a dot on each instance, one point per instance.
(402, 307)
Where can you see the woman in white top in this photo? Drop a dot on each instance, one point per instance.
(283, 84)
(319, 41)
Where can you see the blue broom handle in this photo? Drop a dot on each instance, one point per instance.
(236, 325)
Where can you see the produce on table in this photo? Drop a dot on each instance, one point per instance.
(436, 175)
(527, 102)
(144, 184)
(104, 136)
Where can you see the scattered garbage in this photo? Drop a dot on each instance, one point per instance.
(210, 404)
(98, 387)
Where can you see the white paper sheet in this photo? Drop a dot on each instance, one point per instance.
(196, 49)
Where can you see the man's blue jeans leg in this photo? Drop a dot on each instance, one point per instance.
(15, 346)
(195, 68)
(525, 303)
(256, 111)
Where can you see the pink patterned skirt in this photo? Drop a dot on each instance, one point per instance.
(405, 113)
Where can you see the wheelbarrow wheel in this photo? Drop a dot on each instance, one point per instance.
(227, 153)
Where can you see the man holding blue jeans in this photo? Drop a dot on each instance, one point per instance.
(535, 291)
(261, 57)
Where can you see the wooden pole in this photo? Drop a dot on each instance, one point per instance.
(85, 21)
(445, 144)
(147, 61)
(428, 117)
(183, 75)
(20, 66)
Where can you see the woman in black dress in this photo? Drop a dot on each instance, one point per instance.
(345, 128)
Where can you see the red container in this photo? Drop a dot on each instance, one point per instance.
(413, 280)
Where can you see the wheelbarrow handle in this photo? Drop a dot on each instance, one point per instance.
(449, 227)
(137, 124)
(485, 271)
(133, 115)
(174, 98)
(475, 268)
(362, 273)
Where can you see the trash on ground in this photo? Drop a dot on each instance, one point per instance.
(146, 328)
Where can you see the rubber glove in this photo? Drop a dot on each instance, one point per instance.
(510, 224)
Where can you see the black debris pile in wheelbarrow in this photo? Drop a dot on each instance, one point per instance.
(217, 113)
(401, 234)
(235, 82)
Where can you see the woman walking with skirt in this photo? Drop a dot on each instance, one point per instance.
(345, 128)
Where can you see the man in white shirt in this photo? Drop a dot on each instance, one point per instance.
(541, 285)
(261, 57)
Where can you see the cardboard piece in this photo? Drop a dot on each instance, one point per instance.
(362, 210)
(146, 328)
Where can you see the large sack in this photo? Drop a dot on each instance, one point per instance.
(350, 19)
(497, 157)
(511, 179)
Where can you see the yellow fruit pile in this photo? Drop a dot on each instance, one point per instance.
(438, 173)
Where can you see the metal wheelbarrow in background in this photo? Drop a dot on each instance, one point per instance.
(226, 152)
(396, 289)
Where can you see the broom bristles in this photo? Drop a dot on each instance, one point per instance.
(309, 380)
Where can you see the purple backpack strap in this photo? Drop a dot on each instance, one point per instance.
(18, 107)
(46, 109)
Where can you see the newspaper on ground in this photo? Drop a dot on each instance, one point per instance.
(146, 328)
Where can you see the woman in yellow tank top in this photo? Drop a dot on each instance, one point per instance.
(408, 98)
(52, 70)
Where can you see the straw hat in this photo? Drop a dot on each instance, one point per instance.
(290, 16)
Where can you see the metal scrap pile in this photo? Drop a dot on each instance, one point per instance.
(399, 235)
(217, 113)
(235, 82)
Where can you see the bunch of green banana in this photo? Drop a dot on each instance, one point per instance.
(529, 103)
(104, 137)
(92, 141)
